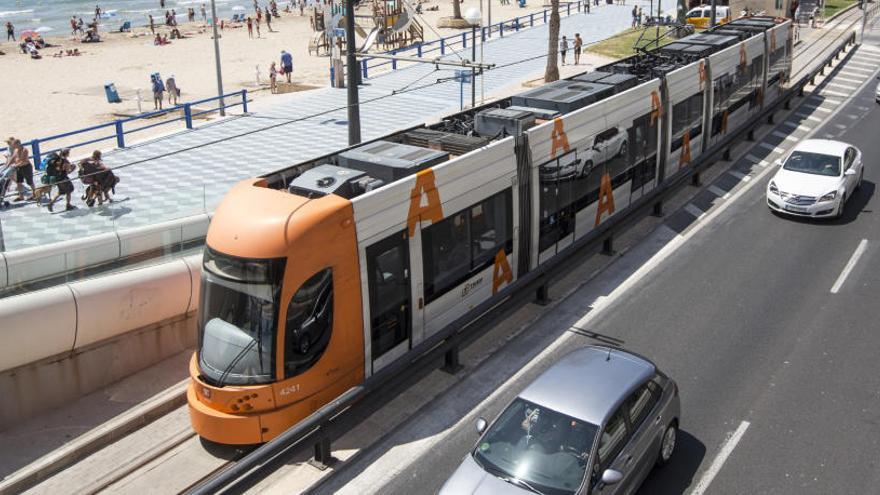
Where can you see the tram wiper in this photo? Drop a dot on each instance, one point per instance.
(244, 350)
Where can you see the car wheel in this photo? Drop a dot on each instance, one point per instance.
(587, 167)
(840, 208)
(859, 183)
(667, 444)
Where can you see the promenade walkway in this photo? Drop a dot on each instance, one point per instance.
(188, 172)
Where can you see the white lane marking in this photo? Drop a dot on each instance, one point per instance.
(720, 459)
(785, 136)
(797, 125)
(857, 69)
(808, 116)
(693, 210)
(833, 93)
(717, 191)
(860, 250)
(772, 148)
(844, 86)
(739, 175)
(848, 79)
(861, 64)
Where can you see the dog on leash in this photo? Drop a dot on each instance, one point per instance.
(42, 192)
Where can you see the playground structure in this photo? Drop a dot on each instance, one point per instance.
(390, 25)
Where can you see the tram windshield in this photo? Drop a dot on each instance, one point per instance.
(238, 318)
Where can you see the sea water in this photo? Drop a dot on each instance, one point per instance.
(55, 14)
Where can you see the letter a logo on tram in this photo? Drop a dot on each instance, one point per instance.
(606, 198)
(501, 273)
(558, 137)
(685, 156)
(428, 210)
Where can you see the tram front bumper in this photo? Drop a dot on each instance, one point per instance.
(221, 427)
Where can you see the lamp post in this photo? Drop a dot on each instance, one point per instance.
(354, 111)
(473, 17)
(217, 58)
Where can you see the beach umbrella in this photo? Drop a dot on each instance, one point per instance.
(43, 29)
(30, 33)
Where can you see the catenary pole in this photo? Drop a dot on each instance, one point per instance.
(354, 111)
(217, 58)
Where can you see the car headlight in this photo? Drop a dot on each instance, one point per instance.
(773, 188)
(828, 197)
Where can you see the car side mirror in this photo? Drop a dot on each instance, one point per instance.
(611, 477)
(481, 425)
(778, 162)
(850, 171)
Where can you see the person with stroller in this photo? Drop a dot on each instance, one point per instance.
(57, 169)
(7, 173)
(24, 170)
(98, 179)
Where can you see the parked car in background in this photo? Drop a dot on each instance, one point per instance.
(700, 17)
(595, 422)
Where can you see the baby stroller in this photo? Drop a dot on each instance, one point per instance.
(7, 176)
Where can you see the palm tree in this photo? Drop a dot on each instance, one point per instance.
(552, 72)
(456, 9)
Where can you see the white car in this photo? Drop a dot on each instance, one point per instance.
(816, 179)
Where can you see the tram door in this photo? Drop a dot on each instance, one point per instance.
(390, 298)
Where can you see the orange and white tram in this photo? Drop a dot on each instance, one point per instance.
(318, 275)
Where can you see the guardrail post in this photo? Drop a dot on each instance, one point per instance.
(120, 135)
(542, 295)
(516, 24)
(545, 16)
(364, 68)
(787, 104)
(657, 211)
(442, 46)
(770, 119)
(187, 115)
(751, 135)
(483, 34)
(501, 29)
(608, 244)
(726, 155)
(532, 19)
(323, 456)
(244, 101)
(451, 361)
(394, 61)
(332, 79)
(35, 152)
(696, 181)
(419, 50)
(568, 9)
(464, 40)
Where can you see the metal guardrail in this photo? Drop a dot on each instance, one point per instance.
(119, 131)
(244, 473)
(447, 45)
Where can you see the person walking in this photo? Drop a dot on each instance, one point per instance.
(634, 15)
(563, 47)
(172, 90)
(578, 46)
(24, 170)
(161, 4)
(152, 24)
(204, 14)
(250, 26)
(273, 78)
(287, 64)
(57, 170)
(258, 29)
(10, 31)
(73, 26)
(158, 91)
(268, 20)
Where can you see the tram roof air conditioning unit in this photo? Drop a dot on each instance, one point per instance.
(539, 113)
(595, 76)
(620, 81)
(327, 179)
(733, 32)
(495, 121)
(716, 41)
(388, 161)
(563, 96)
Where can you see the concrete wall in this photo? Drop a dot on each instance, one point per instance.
(52, 382)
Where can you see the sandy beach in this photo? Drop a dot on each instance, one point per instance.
(54, 95)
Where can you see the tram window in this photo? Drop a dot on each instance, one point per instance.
(389, 290)
(309, 323)
(465, 243)
(681, 116)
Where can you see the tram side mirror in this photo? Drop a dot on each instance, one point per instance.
(480, 425)
(611, 477)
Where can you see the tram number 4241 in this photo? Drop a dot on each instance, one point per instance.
(291, 389)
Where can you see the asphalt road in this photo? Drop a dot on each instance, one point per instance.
(743, 317)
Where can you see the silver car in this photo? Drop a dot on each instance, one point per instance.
(595, 422)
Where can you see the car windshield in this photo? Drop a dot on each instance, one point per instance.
(238, 317)
(546, 450)
(813, 163)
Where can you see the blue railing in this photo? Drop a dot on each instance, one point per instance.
(119, 126)
(449, 43)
